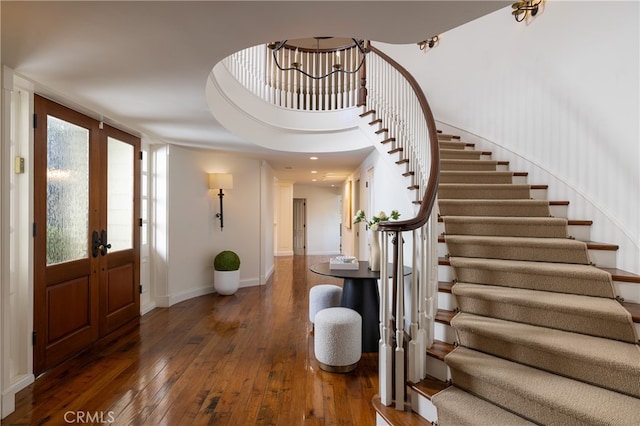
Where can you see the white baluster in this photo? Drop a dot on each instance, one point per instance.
(399, 353)
(385, 360)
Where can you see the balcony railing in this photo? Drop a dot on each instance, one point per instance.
(256, 69)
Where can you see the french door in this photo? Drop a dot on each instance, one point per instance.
(86, 232)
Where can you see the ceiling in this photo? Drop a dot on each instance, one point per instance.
(143, 65)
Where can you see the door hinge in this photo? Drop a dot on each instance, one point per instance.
(140, 288)
(140, 155)
(140, 222)
(35, 121)
(34, 229)
(33, 338)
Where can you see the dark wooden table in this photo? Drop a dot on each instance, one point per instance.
(360, 293)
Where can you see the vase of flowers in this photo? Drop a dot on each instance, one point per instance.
(374, 238)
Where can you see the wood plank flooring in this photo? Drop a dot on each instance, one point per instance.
(245, 359)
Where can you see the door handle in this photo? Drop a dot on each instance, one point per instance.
(98, 245)
(104, 246)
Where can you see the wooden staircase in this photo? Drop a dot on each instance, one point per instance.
(419, 395)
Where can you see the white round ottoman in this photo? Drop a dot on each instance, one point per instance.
(338, 339)
(323, 296)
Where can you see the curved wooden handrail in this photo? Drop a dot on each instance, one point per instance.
(431, 190)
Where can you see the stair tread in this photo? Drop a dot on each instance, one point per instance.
(623, 276)
(396, 417)
(445, 287)
(444, 316)
(565, 398)
(440, 349)
(428, 387)
(455, 406)
(577, 279)
(594, 245)
(591, 245)
(634, 310)
(569, 312)
(570, 222)
(565, 344)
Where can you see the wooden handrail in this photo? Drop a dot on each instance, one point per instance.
(429, 198)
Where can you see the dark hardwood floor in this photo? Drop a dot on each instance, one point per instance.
(226, 360)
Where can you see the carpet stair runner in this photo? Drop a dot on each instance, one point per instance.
(541, 338)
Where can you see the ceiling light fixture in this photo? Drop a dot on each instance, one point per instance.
(337, 65)
(521, 8)
(429, 43)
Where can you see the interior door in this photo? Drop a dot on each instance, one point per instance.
(299, 226)
(119, 241)
(79, 275)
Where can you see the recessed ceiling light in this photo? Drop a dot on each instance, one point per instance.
(314, 171)
(313, 158)
(314, 180)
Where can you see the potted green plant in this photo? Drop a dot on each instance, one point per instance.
(226, 274)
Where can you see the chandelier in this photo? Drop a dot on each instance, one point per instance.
(337, 66)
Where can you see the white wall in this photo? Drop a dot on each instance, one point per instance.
(194, 233)
(381, 193)
(267, 198)
(324, 218)
(561, 92)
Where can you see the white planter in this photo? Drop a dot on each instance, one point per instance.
(226, 282)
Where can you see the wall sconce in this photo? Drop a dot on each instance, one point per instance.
(521, 8)
(220, 181)
(429, 43)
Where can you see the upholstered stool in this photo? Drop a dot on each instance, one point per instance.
(337, 339)
(323, 296)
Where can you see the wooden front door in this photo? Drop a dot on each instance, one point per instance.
(86, 235)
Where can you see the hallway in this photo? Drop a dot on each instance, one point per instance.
(236, 360)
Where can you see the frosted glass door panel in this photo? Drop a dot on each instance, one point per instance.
(120, 200)
(67, 191)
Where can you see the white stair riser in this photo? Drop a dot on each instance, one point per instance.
(538, 194)
(424, 407)
(580, 232)
(629, 291)
(603, 258)
(445, 273)
(519, 180)
(444, 332)
(438, 369)
(447, 301)
(442, 249)
(559, 211)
